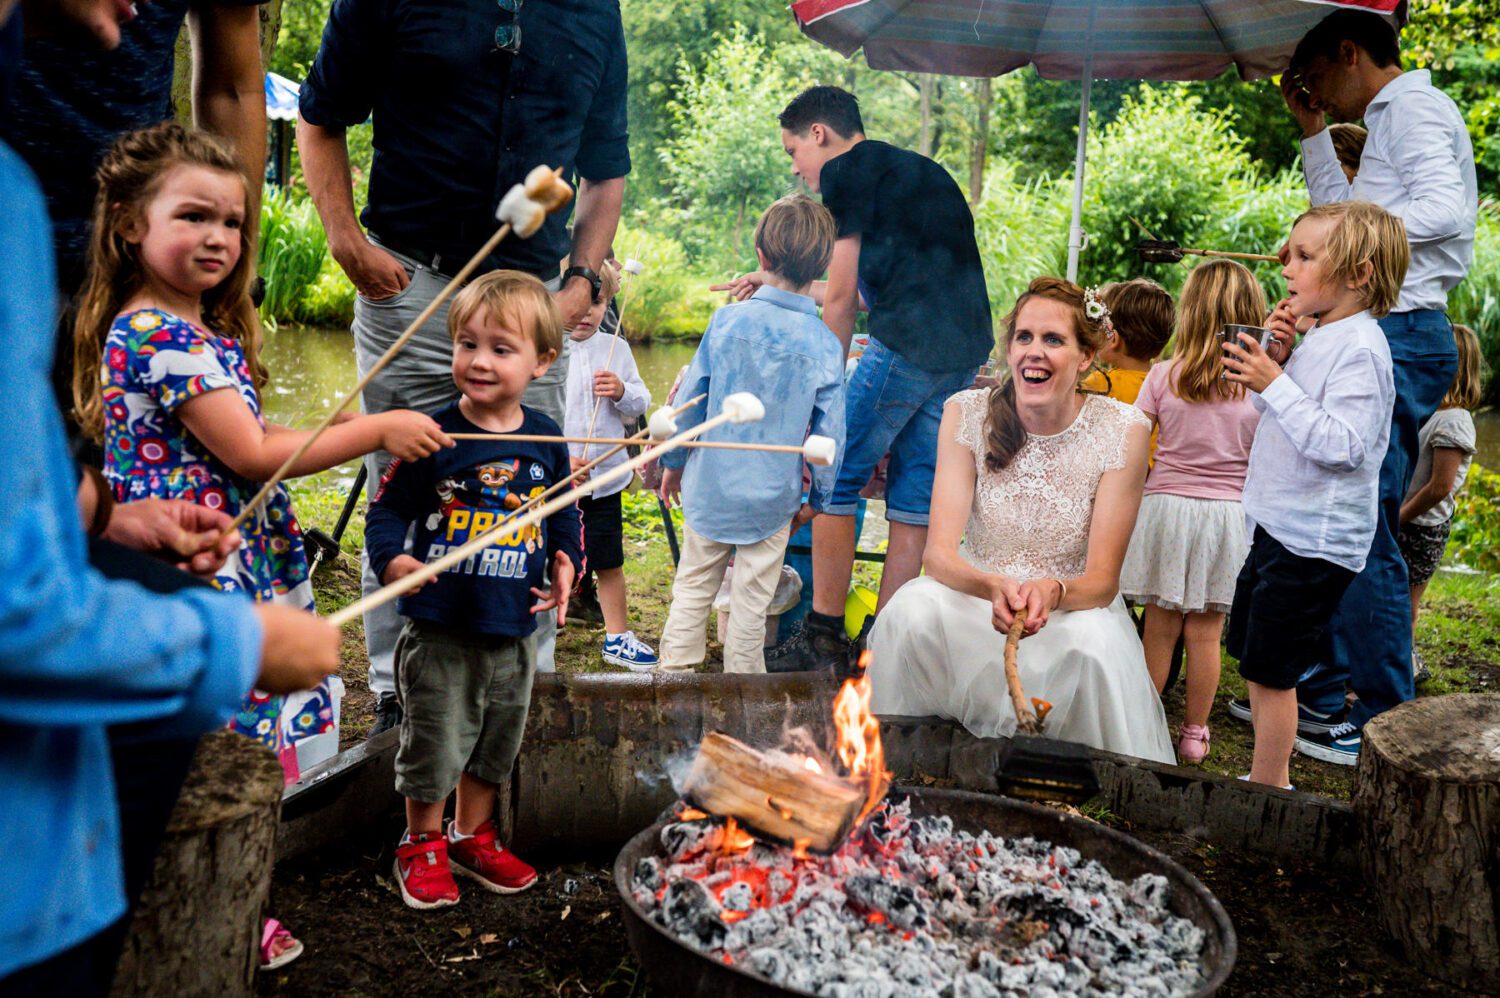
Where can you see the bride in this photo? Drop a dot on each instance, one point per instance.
(1033, 504)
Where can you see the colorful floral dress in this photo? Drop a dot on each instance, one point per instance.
(154, 362)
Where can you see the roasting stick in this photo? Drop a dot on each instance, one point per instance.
(741, 407)
(632, 268)
(549, 198)
(815, 450)
(1026, 720)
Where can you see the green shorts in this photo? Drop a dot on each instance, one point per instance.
(464, 700)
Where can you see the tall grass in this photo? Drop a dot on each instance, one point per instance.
(303, 282)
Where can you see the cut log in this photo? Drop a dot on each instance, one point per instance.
(1427, 800)
(197, 928)
(773, 794)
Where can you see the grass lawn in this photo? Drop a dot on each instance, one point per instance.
(1458, 635)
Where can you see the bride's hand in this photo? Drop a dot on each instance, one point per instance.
(1005, 600)
(1041, 596)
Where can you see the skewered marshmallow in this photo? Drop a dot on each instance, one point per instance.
(819, 450)
(547, 188)
(743, 407)
(521, 213)
(633, 267)
(661, 425)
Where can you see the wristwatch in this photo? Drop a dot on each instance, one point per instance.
(588, 275)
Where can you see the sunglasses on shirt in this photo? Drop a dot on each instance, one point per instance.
(508, 36)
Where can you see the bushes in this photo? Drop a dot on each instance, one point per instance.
(1476, 300)
(668, 300)
(1475, 540)
(303, 283)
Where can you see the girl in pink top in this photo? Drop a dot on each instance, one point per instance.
(1189, 540)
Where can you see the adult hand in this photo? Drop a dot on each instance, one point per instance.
(1005, 600)
(607, 385)
(670, 490)
(183, 533)
(574, 301)
(297, 650)
(1247, 364)
(562, 587)
(1301, 104)
(374, 272)
(1041, 596)
(410, 435)
(400, 567)
(742, 287)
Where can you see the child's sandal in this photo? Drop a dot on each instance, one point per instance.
(273, 932)
(1192, 743)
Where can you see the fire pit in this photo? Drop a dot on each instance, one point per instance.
(915, 923)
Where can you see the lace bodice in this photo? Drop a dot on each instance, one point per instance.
(1031, 519)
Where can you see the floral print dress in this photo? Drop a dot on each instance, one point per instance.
(154, 362)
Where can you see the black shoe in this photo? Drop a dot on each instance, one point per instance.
(387, 714)
(817, 645)
(584, 607)
(1309, 721)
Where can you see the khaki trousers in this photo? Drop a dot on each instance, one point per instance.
(757, 568)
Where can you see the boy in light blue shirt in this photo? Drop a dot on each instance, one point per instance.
(745, 503)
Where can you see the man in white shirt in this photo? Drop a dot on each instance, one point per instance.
(1418, 164)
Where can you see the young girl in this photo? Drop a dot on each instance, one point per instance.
(1447, 443)
(1189, 540)
(167, 377)
(612, 384)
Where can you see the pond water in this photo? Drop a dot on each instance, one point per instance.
(312, 368)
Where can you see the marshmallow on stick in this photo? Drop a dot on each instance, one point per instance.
(815, 449)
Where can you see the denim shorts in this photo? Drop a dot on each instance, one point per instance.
(892, 406)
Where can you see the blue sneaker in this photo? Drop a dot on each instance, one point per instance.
(1339, 746)
(630, 651)
(1309, 721)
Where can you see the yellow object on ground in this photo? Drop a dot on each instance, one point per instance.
(858, 606)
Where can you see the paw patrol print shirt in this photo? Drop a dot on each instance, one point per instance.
(459, 493)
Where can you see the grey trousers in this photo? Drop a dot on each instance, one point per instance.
(420, 377)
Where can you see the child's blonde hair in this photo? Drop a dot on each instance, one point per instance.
(129, 177)
(796, 236)
(1141, 313)
(1467, 387)
(1217, 293)
(511, 296)
(1365, 234)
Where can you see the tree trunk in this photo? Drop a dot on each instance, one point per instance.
(1427, 800)
(979, 151)
(197, 929)
(182, 60)
(924, 102)
(270, 32)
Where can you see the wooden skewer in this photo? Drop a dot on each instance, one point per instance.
(513, 525)
(1233, 256)
(379, 365)
(544, 438)
(1026, 720)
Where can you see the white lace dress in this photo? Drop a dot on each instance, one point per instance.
(935, 650)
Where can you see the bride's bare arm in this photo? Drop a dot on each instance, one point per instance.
(1116, 502)
(952, 497)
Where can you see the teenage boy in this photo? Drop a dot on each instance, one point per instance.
(906, 250)
(466, 656)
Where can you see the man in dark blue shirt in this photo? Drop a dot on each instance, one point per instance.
(466, 97)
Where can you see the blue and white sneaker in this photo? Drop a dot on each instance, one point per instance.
(1309, 721)
(1339, 746)
(630, 651)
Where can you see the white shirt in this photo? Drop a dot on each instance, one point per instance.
(589, 356)
(1314, 472)
(1417, 164)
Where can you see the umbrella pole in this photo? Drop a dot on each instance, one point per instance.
(1075, 229)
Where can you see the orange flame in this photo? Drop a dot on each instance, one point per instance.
(859, 746)
(731, 916)
(811, 765)
(799, 849)
(691, 814)
(733, 839)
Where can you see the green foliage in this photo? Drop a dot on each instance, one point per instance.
(1476, 300)
(642, 516)
(1475, 540)
(301, 31)
(303, 283)
(1022, 231)
(668, 300)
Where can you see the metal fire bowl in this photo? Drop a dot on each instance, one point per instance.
(676, 968)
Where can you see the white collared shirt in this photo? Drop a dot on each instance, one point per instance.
(1417, 164)
(589, 356)
(1314, 472)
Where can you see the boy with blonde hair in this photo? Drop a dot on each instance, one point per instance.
(743, 503)
(465, 659)
(1314, 471)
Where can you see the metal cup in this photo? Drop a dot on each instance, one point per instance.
(1231, 334)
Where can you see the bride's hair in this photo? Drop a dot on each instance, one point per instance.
(1004, 434)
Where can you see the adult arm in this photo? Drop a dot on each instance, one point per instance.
(325, 163)
(595, 220)
(1326, 180)
(953, 483)
(1445, 464)
(229, 95)
(841, 298)
(1421, 150)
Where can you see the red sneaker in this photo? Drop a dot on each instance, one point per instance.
(481, 858)
(422, 872)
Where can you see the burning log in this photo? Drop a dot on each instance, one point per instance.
(774, 793)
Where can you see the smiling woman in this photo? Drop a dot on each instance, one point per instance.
(1033, 504)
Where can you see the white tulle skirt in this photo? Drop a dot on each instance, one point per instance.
(935, 652)
(1185, 554)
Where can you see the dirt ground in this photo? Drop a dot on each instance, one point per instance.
(1301, 931)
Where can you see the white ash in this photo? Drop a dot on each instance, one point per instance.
(909, 907)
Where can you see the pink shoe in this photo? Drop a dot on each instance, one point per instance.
(1192, 743)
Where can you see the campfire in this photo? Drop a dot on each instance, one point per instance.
(793, 865)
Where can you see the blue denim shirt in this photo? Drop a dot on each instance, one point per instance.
(77, 653)
(774, 346)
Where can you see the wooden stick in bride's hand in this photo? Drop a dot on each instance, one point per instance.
(741, 407)
(1026, 719)
(522, 211)
(633, 268)
(815, 449)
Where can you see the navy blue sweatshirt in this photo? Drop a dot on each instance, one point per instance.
(457, 494)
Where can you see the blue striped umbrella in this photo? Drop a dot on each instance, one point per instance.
(1074, 39)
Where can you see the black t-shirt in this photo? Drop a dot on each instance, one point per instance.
(917, 254)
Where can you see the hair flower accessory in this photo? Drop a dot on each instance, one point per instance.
(1095, 309)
